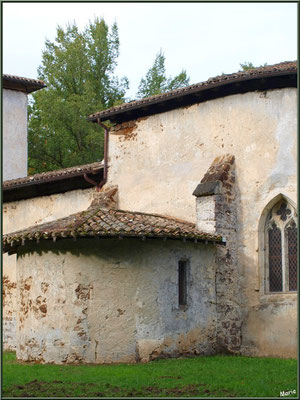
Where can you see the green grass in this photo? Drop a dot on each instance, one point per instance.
(215, 376)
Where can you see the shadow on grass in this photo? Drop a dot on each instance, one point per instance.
(60, 389)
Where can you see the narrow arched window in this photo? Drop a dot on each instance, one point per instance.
(281, 248)
(275, 258)
(291, 235)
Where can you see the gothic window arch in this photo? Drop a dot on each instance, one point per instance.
(280, 237)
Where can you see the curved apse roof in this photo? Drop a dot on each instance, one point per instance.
(96, 222)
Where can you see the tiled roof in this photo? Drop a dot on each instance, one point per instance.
(267, 71)
(99, 222)
(22, 79)
(22, 84)
(220, 171)
(53, 175)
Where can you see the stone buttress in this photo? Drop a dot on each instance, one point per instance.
(216, 211)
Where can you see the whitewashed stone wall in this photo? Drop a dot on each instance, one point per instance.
(110, 300)
(158, 161)
(20, 215)
(14, 134)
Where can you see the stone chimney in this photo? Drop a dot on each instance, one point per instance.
(14, 98)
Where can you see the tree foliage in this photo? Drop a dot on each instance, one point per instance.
(156, 82)
(78, 69)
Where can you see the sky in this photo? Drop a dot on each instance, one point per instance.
(205, 39)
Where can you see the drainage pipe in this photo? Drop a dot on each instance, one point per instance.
(104, 180)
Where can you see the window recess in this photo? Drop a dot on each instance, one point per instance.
(182, 283)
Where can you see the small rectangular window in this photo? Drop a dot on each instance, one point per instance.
(182, 283)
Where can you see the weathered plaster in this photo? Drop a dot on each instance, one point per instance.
(285, 165)
(280, 313)
(9, 306)
(175, 149)
(110, 300)
(22, 214)
(157, 162)
(14, 134)
(168, 154)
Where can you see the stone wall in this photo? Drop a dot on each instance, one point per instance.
(9, 307)
(22, 214)
(111, 300)
(158, 164)
(216, 211)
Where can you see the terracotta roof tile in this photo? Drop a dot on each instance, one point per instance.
(22, 84)
(97, 222)
(51, 175)
(218, 171)
(284, 67)
(22, 79)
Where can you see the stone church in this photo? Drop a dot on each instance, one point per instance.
(183, 241)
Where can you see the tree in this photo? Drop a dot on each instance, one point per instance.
(78, 69)
(249, 65)
(156, 82)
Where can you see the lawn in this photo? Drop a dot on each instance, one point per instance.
(214, 376)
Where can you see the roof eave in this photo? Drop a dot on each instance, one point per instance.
(51, 185)
(263, 81)
(7, 248)
(21, 86)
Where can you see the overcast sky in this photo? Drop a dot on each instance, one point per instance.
(206, 39)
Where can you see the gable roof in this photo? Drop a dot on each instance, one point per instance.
(269, 77)
(21, 84)
(103, 223)
(51, 182)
